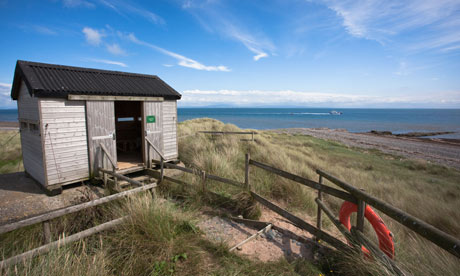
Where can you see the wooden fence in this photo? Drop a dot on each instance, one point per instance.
(229, 132)
(349, 193)
(45, 220)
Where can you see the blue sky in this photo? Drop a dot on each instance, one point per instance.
(277, 53)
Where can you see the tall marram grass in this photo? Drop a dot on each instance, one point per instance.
(427, 191)
(10, 152)
(157, 238)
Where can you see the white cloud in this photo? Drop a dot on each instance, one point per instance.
(182, 60)
(254, 98)
(110, 62)
(43, 30)
(77, 3)
(433, 24)
(93, 37)
(5, 98)
(122, 7)
(115, 49)
(214, 16)
(5, 89)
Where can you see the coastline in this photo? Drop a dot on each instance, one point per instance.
(441, 151)
(445, 152)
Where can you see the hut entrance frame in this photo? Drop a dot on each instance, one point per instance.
(123, 127)
(128, 130)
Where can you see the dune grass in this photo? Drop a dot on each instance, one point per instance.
(161, 238)
(427, 191)
(158, 238)
(10, 152)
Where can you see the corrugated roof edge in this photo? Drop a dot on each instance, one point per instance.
(23, 72)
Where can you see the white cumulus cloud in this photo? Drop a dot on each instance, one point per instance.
(92, 36)
(182, 60)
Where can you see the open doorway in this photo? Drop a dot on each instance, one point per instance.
(128, 126)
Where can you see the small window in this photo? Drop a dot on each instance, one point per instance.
(125, 119)
(24, 126)
(33, 128)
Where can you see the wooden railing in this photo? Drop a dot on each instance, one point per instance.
(229, 132)
(149, 158)
(349, 193)
(105, 152)
(46, 217)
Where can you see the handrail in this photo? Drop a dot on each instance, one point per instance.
(207, 175)
(431, 233)
(104, 149)
(155, 148)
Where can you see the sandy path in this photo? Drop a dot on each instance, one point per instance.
(443, 153)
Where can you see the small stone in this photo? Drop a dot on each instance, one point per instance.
(239, 248)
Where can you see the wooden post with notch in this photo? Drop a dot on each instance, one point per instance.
(318, 215)
(246, 170)
(253, 136)
(360, 215)
(47, 231)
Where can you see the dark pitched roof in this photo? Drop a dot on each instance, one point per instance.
(50, 80)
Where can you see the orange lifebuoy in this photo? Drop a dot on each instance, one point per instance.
(384, 235)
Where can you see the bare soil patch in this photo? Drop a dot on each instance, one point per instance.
(269, 246)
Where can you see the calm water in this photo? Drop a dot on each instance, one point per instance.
(354, 120)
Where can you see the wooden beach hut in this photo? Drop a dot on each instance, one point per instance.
(72, 118)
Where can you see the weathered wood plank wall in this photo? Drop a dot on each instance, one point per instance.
(100, 116)
(31, 144)
(64, 140)
(153, 131)
(170, 129)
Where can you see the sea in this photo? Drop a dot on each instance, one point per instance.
(350, 119)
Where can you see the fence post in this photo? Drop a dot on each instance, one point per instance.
(246, 170)
(360, 215)
(318, 215)
(47, 231)
(161, 169)
(104, 175)
(253, 136)
(203, 181)
(115, 180)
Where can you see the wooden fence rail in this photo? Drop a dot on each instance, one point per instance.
(207, 176)
(228, 132)
(307, 182)
(431, 233)
(61, 242)
(72, 209)
(351, 194)
(45, 218)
